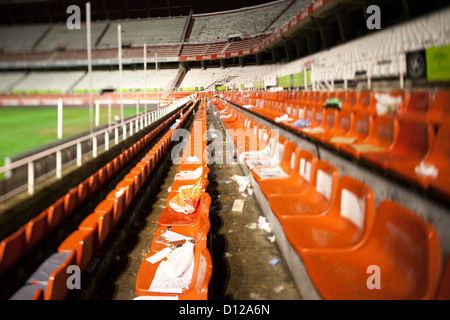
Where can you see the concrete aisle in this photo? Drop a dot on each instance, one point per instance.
(247, 264)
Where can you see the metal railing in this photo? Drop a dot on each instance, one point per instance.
(24, 174)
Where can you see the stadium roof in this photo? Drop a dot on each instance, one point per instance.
(48, 11)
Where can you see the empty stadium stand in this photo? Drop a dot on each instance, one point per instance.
(330, 219)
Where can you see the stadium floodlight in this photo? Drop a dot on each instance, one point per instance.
(145, 82)
(89, 52)
(119, 40)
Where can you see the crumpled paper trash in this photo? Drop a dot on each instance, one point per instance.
(263, 224)
(187, 198)
(242, 181)
(386, 103)
(189, 175)
(284, 117)
(193, 160)
(179, 260)
(426, 169)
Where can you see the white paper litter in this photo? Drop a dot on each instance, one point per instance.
(162, 283)
(284, 117)
(173, 236)
(193, 160)
(238, 205)
(179, 260)
(242, 181)
(427, 170)
(387, 103)
(189, 175)
(263, 224)
(159, 255)
(270, 172)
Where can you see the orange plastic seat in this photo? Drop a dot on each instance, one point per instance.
(49, 281)
(102, 221)
(402, 246)
(439, 158)
(246, 140)
(286, 167)
(347, 223)
(417, 106)
(170, 217)
(365, 102)
(415, 140)
(136, 177)
(381, 138)
(12, 249)
(315, 200)
(94, 183)
(70, 202)
(197, 289)
(342, 130)
(118, 199)
(273, 159)
(439, 112)
(102, 176)
(36, 230)
(129, 187)
(83, 191)
(56, 288)
(296, 183)
(144, 168)
(315, 115)
(327, 125)
(83, 242)
(359, 133)
(111, 166)
(55, 214)
(201, 226)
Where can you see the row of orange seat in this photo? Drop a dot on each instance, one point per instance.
(31, 234)
(333, 224)
(183, 226)
(49, 280)
(409, 143)
(427, 105)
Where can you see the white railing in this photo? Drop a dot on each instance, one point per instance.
(128, 128)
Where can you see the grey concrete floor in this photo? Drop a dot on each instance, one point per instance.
(247, 264)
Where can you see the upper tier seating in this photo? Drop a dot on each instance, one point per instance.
(62, 38)
(206, 78)
(149, 31)
(293, 10)
(29, 35)
(7, 79)
(130, 79)
(56, 81)
(248, 22)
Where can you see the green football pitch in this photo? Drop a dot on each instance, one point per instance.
(23, 129)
